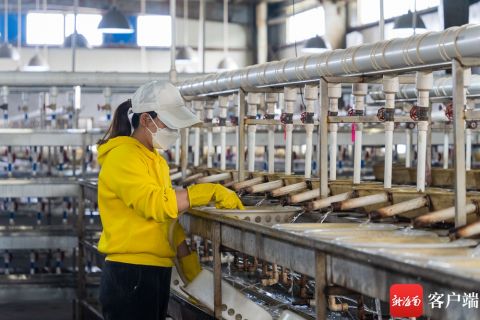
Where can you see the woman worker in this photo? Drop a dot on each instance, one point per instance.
(138, 204)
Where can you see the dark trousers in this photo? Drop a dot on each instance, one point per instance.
(129, 291)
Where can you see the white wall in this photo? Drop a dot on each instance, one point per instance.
(157, 60)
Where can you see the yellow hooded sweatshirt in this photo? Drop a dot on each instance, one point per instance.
(137, 204)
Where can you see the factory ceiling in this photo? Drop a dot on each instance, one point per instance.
(241, 11)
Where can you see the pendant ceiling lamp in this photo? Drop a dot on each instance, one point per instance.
(81, 41)
(227, 62)
(316, 44)
(408, 24)
(7, 51)
(185, 54)
(114, 21)
(37, 62)
(408, 21)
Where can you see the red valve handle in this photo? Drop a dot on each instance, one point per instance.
(413, 113)
(381, 114)
(449, 111)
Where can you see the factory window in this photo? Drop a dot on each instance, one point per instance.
(305, 25)
(87, 26)
(369, 10)
(45, 28)
(154, 31)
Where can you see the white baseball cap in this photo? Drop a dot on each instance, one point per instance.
(165, 99)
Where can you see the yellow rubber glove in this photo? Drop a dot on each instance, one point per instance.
(203, 193)
(190, 266)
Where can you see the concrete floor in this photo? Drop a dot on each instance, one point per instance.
(51, 310)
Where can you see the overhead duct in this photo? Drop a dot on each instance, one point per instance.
(442, 87)
(413, 52)
(89, 79)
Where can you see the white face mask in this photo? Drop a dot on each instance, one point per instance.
(164, 137)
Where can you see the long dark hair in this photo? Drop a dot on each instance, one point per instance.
(120, 125)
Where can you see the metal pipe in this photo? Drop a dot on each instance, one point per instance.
(421, 155)
(215, 177)
(223, 105)
(327, 202)
(84, 79)
(201, 35)
(381, 23)
(225, 28)
(60, 160)
(4, 104)
(359, 91)
(304, 196)
(311, 95)
(290, 96)
(208, 119)
(361, 201)
(271, 100)
(262, 31)
(442, 215)
(192, 178)
(178, 175)
(264, 187)
(468, 149)
(470, 230)
(336, 307)
(424, 81)
(241, 135)
(390, 87)
(247, 183)
(323, 133)
(184, 134)
(295, 187)
(442, 87)
(399, 208)
(445, 150)
(412, 52)
(467, 74)
(34, 152)
(459, 101)
(196, 142)
(177, 150)
(10, 165)
(253, 101)
(173, 45)
(334, 93)
(74, 35)
(408, 151)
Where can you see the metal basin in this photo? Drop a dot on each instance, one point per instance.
(334, 227)
(252, 201)
(261, 215)
(428, 253)
(404, 241)
(460, 265)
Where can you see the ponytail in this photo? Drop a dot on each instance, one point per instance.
(120, 125)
